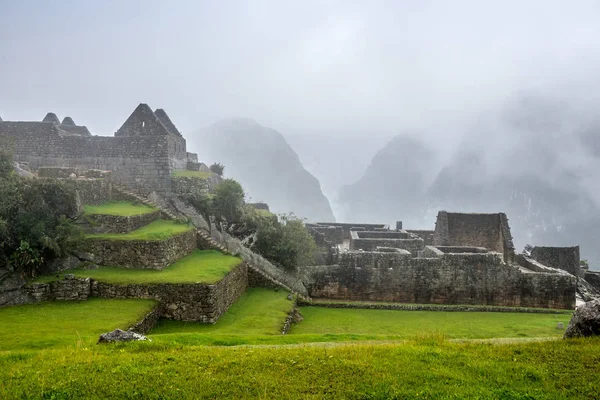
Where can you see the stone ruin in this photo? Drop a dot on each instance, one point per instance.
(466, 259)
(142, 154)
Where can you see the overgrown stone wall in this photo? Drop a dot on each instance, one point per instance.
(187, 185)
(151, 254)
(449, 279)
(183, 302)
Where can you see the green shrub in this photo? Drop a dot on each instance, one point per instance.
(34, 227)
(286, 243)
(217, 168)
(228, 201)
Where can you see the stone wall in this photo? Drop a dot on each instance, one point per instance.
(151, 254)
(142, 163)
(186, 185)
(368, 241)
(479, 230)
(426, 235)
(183, 302)
(449, 279)
(593, 278)
(102, 223)
(347, 227)
(564, 258)
(333, 234)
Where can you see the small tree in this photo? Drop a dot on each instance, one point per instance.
(228, 201)
(203, 203)
(287, 243)
(217, 168)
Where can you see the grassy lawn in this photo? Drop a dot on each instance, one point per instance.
(371, 324)
(429, 369)
(119, 208)
(259, 312)
(202, 266)
(63, 323)
(192, 174)
(158, 230)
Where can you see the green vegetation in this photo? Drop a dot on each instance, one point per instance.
(259, 312)
(34, 220)
(285, 242)
(425, 368)
(265, 213)
(158, 230)
(407, 324)
(119, 208)
(202, 266)
(228, 201)
(64, 323)
(191, 174)
(217, 168)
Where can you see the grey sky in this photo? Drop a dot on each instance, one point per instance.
(310, 67)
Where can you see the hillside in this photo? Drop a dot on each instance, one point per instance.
(266, 166)
(393, 185)
(536, 159)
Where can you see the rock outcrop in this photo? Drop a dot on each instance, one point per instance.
(585, 321)
(266, 166)
(119, 335)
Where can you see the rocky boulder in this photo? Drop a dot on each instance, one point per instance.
(585, 321)
(119, 335)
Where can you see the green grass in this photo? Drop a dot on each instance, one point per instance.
(265, 213)
(258, 316)
(387, 324)
(63, 323)
(119, 208)
(202, 266)
(158, 230)
(427, 368)
(192, 174)
(259, 312)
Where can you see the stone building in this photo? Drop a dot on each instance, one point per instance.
(467, 259)
(142, 154)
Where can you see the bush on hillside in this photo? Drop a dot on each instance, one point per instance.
(34, 227)
(286, 243)
(217, 168)
(228, 201)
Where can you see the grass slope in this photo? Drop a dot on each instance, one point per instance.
(259, 312)
(202, 266)
(119, 208)
(426, 368)
(192, 174)
(407, 324)
(63, 323)
(158, 230)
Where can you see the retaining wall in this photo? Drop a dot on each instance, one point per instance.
(151, 254)
(184, 302)
(450, 279)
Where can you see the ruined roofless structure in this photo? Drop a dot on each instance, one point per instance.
(142, 155)
(468, 259)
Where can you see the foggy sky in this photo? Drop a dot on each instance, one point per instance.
(314, 67)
